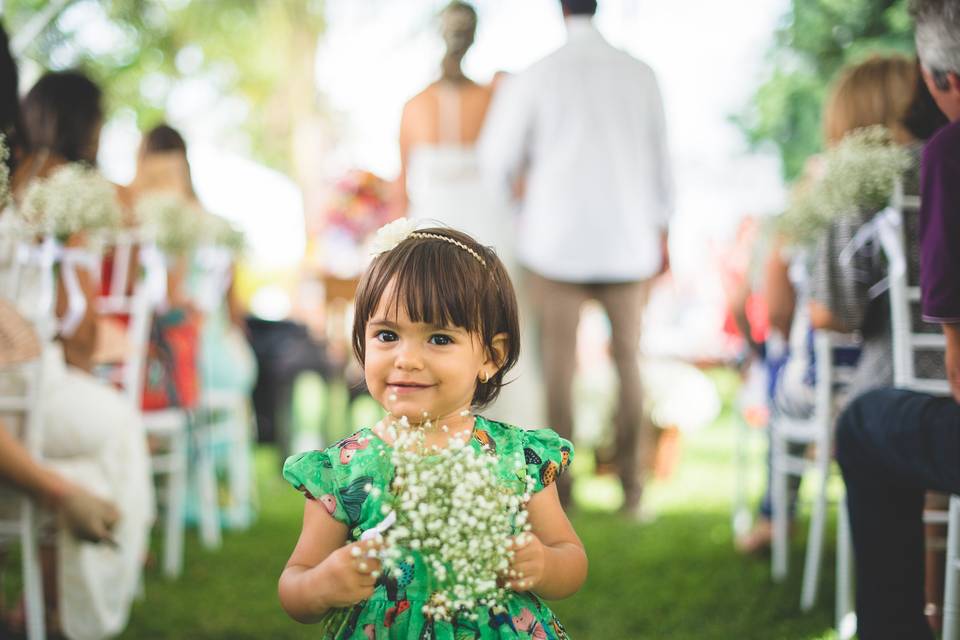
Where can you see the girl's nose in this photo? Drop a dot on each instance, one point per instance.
(408, 358)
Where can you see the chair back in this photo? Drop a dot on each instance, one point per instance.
(918, 346)
(137, 285)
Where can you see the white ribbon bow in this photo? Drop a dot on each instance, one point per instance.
(381, 528)
(71, 258)
(155, 274)
(883, 231)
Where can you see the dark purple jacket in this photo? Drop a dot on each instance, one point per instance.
(940, 226)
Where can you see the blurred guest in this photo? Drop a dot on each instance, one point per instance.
(584, 130)
(84, 514)
(226, 361)
(92, 437)
(802, 285)
(441, 182)
(893, 445)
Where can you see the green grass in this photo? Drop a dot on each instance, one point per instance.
(675, 578)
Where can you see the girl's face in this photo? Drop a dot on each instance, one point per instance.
(412, 368)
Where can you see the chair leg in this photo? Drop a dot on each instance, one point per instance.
(205, 483)
(239, 469)
(778, 501)
(741, 517)
(176, 504)
(32, 573)
(951, 608)
(818, 519)
(846, 618)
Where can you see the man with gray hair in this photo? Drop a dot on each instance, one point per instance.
(894, 445)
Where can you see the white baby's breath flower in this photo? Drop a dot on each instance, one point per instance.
(391, 234)
(857, 177)
(72, 199)
(175, 223)
(453, 510)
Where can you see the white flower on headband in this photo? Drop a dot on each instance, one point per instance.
(391, 234)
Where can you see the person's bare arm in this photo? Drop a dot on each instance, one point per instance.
(79, 347)
(952, 358)
(550, 560)
(779, 291)
(406, 140)
(822, 318)
(87, 516)
(322, 572)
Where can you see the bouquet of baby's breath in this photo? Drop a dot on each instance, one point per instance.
(452, 509)
(174, 223)
(73, 198)
(220, 232)
(4, 172)
(178, 225)
(857, 175)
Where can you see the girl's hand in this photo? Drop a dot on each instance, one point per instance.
(350, 574)
(529, 563)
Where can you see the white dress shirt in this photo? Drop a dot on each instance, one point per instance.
(584, 127)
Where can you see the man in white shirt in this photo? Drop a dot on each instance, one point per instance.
(582, 133)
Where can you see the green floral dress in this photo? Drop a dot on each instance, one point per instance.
(338, 477)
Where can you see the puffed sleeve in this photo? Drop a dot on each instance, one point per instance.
(313, 473)
(547, 456)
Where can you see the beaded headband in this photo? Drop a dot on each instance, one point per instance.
(437, 236)
(390, 235)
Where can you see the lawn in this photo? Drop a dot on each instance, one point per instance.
(676, 577)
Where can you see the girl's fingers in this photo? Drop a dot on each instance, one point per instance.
(518, 585)
(366, 566)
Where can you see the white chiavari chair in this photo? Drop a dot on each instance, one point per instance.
(918, 349)
(833, 372)
(20, 410)
(137, 286)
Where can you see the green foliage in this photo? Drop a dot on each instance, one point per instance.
(258, 53)
(816, 39)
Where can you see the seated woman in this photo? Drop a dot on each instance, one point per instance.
(877, 91)
(848, 297)
(92, 437)
(227, 362)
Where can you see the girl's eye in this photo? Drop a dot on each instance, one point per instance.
(385, 336)
(439, 339)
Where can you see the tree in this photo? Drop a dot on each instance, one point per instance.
(816, 39)
(258, 53)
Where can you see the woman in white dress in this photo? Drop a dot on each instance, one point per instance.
(92, 435)
(441, 182)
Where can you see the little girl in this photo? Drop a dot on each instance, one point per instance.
(436, 331)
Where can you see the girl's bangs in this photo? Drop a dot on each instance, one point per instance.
(432, 293)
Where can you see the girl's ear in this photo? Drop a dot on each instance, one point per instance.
(497, 353)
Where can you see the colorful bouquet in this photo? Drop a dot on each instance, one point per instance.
(359, 205)
(72, 199)
(450, 507)
(857, 175)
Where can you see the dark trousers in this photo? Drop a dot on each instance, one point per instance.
(893, 446)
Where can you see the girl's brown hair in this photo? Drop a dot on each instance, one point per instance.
(876, 91)
(440, 283)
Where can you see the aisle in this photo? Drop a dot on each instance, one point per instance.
(676, 578)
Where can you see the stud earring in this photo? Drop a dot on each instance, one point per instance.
(484, 377)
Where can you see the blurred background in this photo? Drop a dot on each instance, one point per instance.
(291, 114)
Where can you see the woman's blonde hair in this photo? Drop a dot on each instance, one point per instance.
(876, 91)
